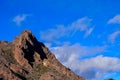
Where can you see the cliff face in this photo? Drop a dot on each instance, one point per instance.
(27, 59)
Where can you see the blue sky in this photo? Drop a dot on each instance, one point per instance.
(83, 34)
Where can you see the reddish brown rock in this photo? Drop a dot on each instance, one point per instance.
(27, 59)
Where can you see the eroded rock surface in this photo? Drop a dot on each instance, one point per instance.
(28, 59)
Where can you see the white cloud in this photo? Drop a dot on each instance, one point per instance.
(113, 36)
(88, 32)
(91, 67)
(81, 24)
(76, 49)
(100, 65)
(19, 19)
(52, 34)
(115, 20)
(60, 31)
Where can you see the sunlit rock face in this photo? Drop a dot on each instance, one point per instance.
(28, 59)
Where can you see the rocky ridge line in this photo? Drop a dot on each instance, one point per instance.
(28, 59)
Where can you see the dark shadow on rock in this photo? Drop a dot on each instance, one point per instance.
(38, 49)
(19, 75)
(31, 49)
(1, 77)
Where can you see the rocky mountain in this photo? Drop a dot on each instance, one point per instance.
(27, 59)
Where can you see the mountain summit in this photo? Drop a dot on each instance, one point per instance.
(28, 59)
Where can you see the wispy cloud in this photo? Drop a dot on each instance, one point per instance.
(82, 24)
(115, 20)
(113, 36)
(88, 32)
(81, 59)
(78, 50)
(19, 19)
(55, 33)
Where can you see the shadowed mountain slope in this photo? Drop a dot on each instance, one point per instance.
(27, 59)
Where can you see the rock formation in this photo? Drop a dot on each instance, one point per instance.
(27, 59)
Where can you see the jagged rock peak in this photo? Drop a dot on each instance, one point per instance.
(28, 59)
(26, 32)
(27, 49)
(25, 36)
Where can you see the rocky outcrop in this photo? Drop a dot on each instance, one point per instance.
(28, 59)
